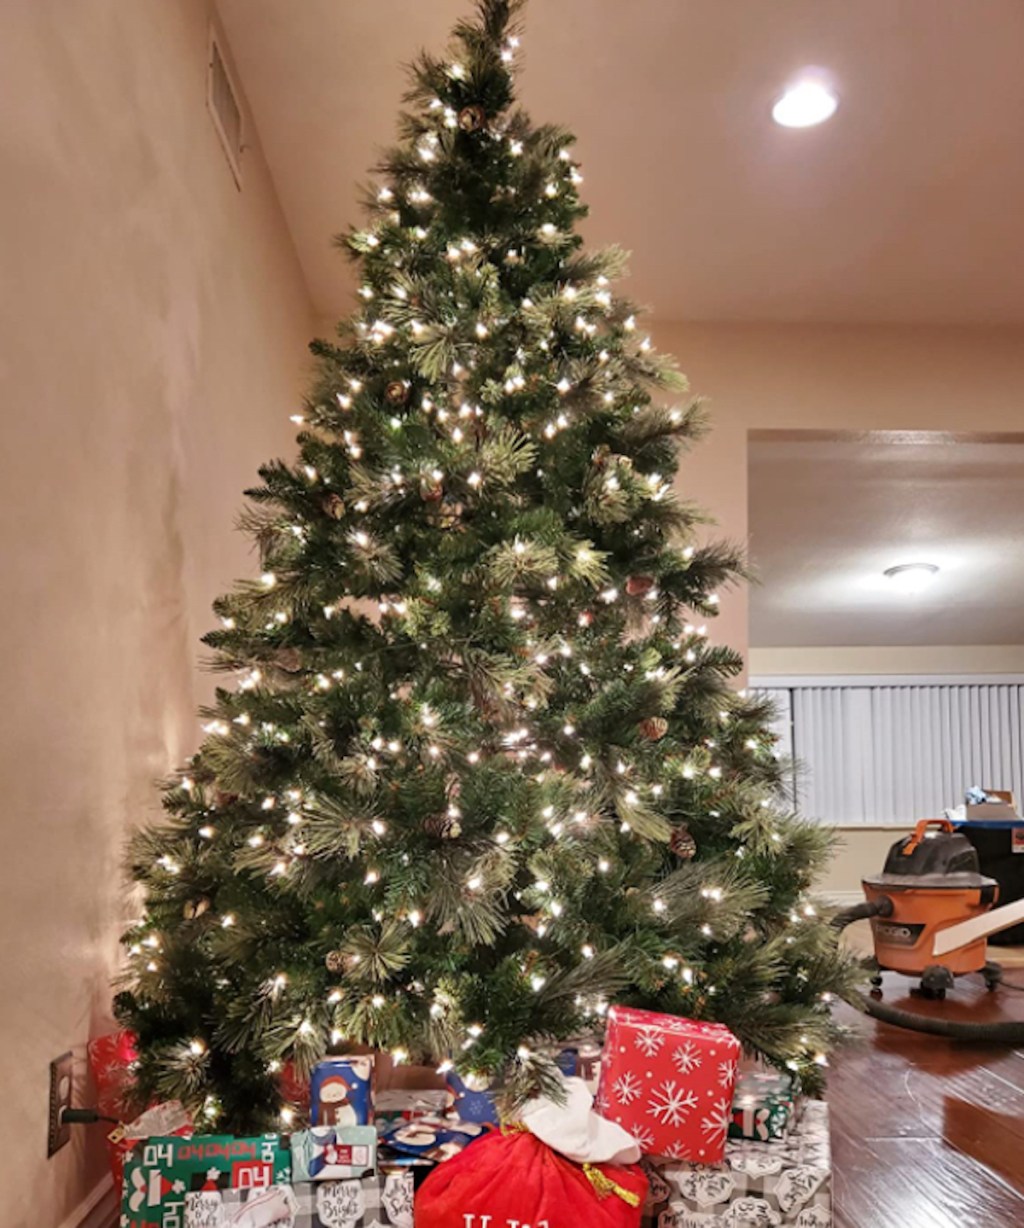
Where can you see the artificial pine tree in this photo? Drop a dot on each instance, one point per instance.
(459, 822)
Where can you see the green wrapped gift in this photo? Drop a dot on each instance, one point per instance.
(159, 1172)
(763, 1106)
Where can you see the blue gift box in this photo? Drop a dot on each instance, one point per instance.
(470, 1103)
(341, 1092)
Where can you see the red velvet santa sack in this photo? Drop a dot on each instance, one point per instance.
(513, 1180)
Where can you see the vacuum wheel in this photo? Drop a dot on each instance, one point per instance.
(935, 980)
(993, 974)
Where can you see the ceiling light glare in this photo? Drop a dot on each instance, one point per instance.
(806, 102)
(911, 578)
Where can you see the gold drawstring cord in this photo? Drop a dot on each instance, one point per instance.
(604, 1185)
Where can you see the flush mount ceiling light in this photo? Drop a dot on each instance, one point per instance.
(808, 101)
(911, 578)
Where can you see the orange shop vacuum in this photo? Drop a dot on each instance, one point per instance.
(931, 911)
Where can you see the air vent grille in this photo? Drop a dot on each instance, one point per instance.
(227, 114)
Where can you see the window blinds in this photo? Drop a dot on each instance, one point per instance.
(869, 754)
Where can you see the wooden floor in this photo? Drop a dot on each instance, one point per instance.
(927, 1132)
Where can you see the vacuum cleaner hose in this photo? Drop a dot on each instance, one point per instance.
(1006, 1032)
(882, 907)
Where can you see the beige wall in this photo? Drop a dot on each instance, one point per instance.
(837, 378)
(153, 324)
(833, 377)
(910, 659)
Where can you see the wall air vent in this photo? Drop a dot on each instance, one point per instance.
(225, 109)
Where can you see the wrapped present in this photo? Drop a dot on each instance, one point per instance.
(112, 1060)
(274, 1207)
(471, 1098)
(581, 1062)
(786, 1183)
(669, 1081)
(294, 1089)
(567, 1061)
(334, 1153)
(431, 1138)
(763, 1105)
(159, 1172)
(384, 1201)
(168, 1120)
(341, 1091)
(391, 1107)
(588, 1066)
(512, 1178)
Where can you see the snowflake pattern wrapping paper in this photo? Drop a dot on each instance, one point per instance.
(669, 1082)
(785, 1183)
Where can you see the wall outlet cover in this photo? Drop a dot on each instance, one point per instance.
(60, 1099)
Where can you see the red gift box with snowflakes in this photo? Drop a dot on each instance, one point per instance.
(669, 1082)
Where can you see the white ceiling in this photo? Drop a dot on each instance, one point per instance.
(832, 513)
(906, 207)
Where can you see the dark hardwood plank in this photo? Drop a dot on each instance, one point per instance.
(917, 1183)
(928, 1132)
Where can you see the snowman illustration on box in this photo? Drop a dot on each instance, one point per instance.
(342, 1091)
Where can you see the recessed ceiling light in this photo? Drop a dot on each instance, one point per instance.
(911, 578)
(806, 102)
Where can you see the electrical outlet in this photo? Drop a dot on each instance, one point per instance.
(60, 1099)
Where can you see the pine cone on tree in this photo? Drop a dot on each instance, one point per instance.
(335, 961)
(682, 843)
(290, 660)
(472, 118)
(653, 728)
(443, 826)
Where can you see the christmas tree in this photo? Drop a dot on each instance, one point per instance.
(457, 822)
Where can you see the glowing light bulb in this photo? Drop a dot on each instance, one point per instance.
(805, 103)
(910, 579)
